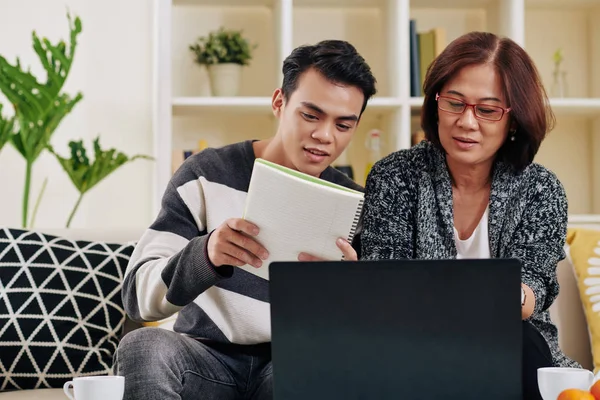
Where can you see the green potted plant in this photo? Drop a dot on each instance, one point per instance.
(86, 174)
(224, 53)
(6, 128)
(559, 75)
(39, 106)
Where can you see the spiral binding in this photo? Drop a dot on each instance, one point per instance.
(355, 222)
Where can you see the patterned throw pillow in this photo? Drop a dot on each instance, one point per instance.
(61, 313)
(584, 251)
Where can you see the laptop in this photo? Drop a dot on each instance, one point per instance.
(396, 329)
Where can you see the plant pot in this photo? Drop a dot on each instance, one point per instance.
(225, 79)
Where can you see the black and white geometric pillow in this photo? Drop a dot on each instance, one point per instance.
(61, 313)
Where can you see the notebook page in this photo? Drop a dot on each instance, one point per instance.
(296, 215)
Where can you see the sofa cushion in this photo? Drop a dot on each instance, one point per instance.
(584, 253)
(61, 312)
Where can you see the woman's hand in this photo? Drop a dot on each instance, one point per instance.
(529, 305)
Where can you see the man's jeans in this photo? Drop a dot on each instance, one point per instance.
(163, 365)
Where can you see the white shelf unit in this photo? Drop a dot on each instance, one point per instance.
(184, 111)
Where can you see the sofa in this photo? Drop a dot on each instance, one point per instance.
(567, 311)
(573, 308)
(97, 256)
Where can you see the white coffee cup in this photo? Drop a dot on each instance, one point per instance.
(96, 388)
(553, 380)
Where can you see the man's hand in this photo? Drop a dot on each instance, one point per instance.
(232, 244)
(345, 247)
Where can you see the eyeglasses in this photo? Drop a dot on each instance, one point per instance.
(482, 111)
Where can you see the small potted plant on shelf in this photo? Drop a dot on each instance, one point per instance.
(559, 81)
(224, 52)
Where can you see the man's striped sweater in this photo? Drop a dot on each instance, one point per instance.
(169, 270)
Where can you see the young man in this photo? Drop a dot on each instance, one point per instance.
(187, 260)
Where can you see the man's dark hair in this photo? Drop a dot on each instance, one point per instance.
(337, 60)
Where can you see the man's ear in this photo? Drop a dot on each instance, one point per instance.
(277, 102)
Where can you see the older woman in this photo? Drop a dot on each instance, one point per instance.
(471, 190)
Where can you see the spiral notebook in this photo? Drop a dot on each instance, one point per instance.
(296, 213)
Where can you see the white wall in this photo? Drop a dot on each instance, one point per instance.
(113, 70)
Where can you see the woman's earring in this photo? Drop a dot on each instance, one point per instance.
(512, 135)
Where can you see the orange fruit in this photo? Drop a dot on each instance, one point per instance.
(575, 394)
(595, 390)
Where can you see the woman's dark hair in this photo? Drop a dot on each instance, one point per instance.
(530, 113)
(337, 60)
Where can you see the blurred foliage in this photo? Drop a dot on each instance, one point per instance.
(223, 46)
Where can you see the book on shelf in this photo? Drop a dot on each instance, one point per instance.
(415, 66)
(179, 156)
(296, 212)
(425, 46)
(439, 40)
(426, 52)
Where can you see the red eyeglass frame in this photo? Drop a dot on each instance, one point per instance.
(504, 110)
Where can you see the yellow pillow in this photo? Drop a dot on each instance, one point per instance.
(584, 251)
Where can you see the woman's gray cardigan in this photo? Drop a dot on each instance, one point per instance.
(408, 214)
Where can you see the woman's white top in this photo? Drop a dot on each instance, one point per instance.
(478, 245)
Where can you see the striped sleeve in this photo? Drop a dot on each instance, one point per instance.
(170, 267)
